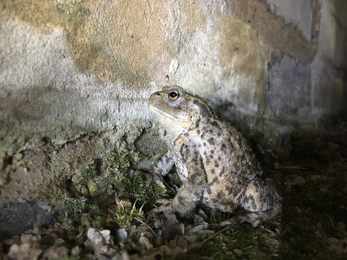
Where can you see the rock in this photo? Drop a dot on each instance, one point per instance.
(32, 240)
(206, 232)
(49, 239)
(23, 252)
(339, 234)
(20, 217)
(121, 235)
(204, 215)
(98, 236)
(4, 175)
(92, 188)
(172, 228)
(132, 230)
(299, 181)
(334, 241)
(76, 250)
(317, 177)
(56, 253)
(84, 190)
(333, 146)
(157, 224)
(165, 250)
(188, 227)
(101, 242)
(181, 242)
(196, 229)
(204, 225)
(341, 226)
(324, 190)
(121, 204)
(35, 231)
(288, 188)
(7, 169)
(159, 240)
(122, 255)
(337, 248)
(238, 252)
(191, 238)
(198, 219)
(159, 253)
(17, 157)
(145, 244)
(149, 234)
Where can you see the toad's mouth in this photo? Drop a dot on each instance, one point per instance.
(166, 114)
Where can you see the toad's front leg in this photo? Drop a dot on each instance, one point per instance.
(189, 194)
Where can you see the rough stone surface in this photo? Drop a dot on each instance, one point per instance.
(73, 70)
(289, 86)
(298, 12)
(18, 218)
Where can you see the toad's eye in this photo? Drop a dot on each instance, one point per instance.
(174, 95)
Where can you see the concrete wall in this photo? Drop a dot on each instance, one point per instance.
(71, 68)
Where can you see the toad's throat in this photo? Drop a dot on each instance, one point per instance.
(168, 115)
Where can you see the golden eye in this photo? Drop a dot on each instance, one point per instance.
(173, 95)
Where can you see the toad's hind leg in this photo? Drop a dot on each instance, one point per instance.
(260, 201)
(190, 193)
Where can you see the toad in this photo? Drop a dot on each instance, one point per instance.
(214, 161)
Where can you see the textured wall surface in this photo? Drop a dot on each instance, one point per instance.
(71, 68)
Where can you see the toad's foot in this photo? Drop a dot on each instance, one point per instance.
(165, 208)
(255, 218)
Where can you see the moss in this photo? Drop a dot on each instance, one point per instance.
(117, 162)
(101, 175)
(309, 218)
(90, 172)
(242, 242)
(82, 215)
(76, 251)
(137, 190)
(52, 199)
(47, 162)
(76, 205)
(125, 216)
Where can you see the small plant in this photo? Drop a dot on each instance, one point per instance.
(47, 162)
(90, 172)
(75, 254)
(125, 216)
(83, 215)
(49, 197)
(137, 190)
(118, 161)
(76, 205)
(95, 216)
